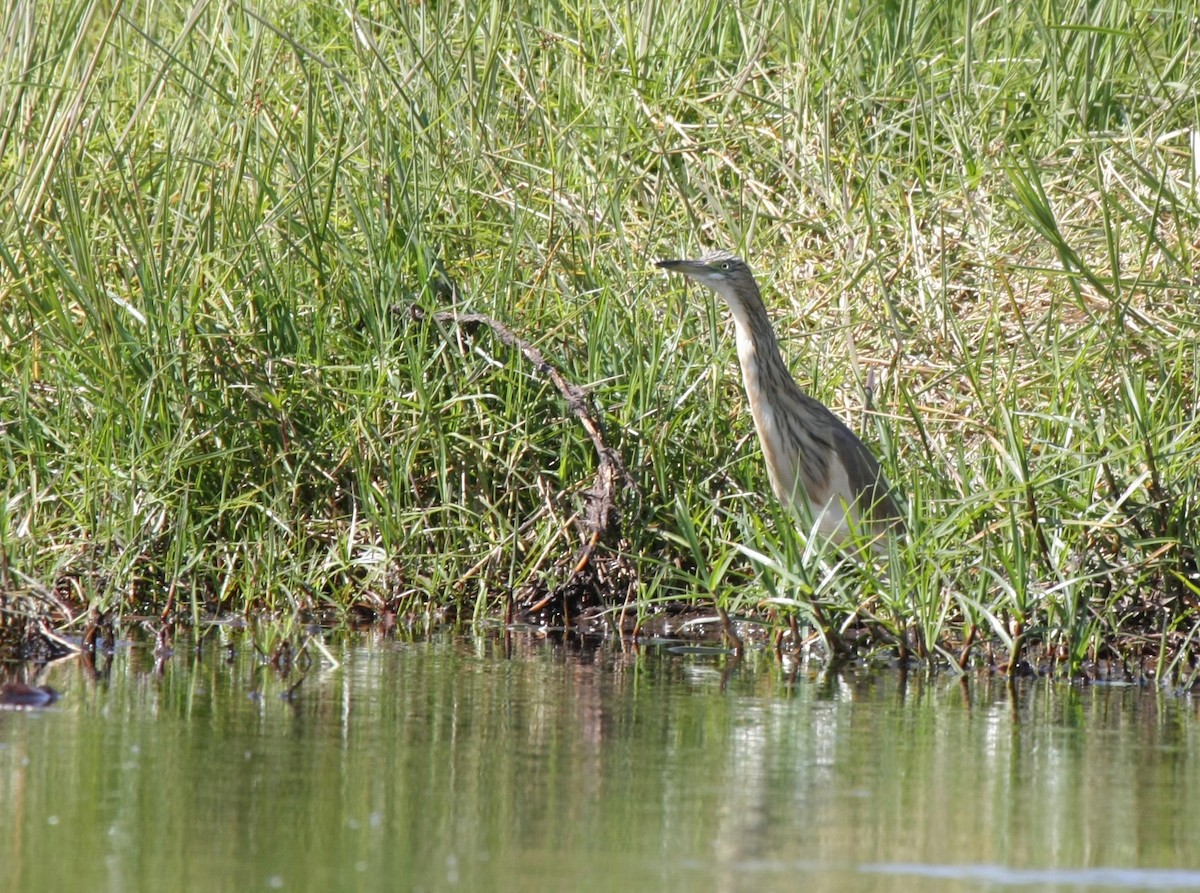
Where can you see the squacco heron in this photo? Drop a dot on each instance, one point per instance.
(815, 462)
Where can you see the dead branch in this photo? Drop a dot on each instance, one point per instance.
(602, 517)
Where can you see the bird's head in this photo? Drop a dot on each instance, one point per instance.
(722, 271)
(711, 269)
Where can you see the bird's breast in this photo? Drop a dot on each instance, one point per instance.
(786, 447)
(781, 457)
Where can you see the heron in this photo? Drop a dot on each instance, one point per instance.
(816, 464)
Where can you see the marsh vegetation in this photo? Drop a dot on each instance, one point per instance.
(975, 227)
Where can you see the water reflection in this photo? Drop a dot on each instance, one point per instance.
(516, 762)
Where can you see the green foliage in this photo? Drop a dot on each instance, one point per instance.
(213, 221)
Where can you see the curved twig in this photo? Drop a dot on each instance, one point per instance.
(602, 517)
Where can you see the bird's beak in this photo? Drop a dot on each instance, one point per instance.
(686, 267)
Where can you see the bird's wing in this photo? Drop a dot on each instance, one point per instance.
(864, 475)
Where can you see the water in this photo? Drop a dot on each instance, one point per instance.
(494, 764)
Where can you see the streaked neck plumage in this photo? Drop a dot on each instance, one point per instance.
(757, 354)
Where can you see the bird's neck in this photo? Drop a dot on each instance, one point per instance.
(757, 348)
(767, 381)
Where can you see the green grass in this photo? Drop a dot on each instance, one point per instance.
(214, 219)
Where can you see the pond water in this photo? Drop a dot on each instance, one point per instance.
(517, 763)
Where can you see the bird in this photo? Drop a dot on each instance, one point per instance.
(816, 464)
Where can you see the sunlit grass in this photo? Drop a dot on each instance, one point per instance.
(978, 221)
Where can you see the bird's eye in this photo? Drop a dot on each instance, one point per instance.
(725, 266)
